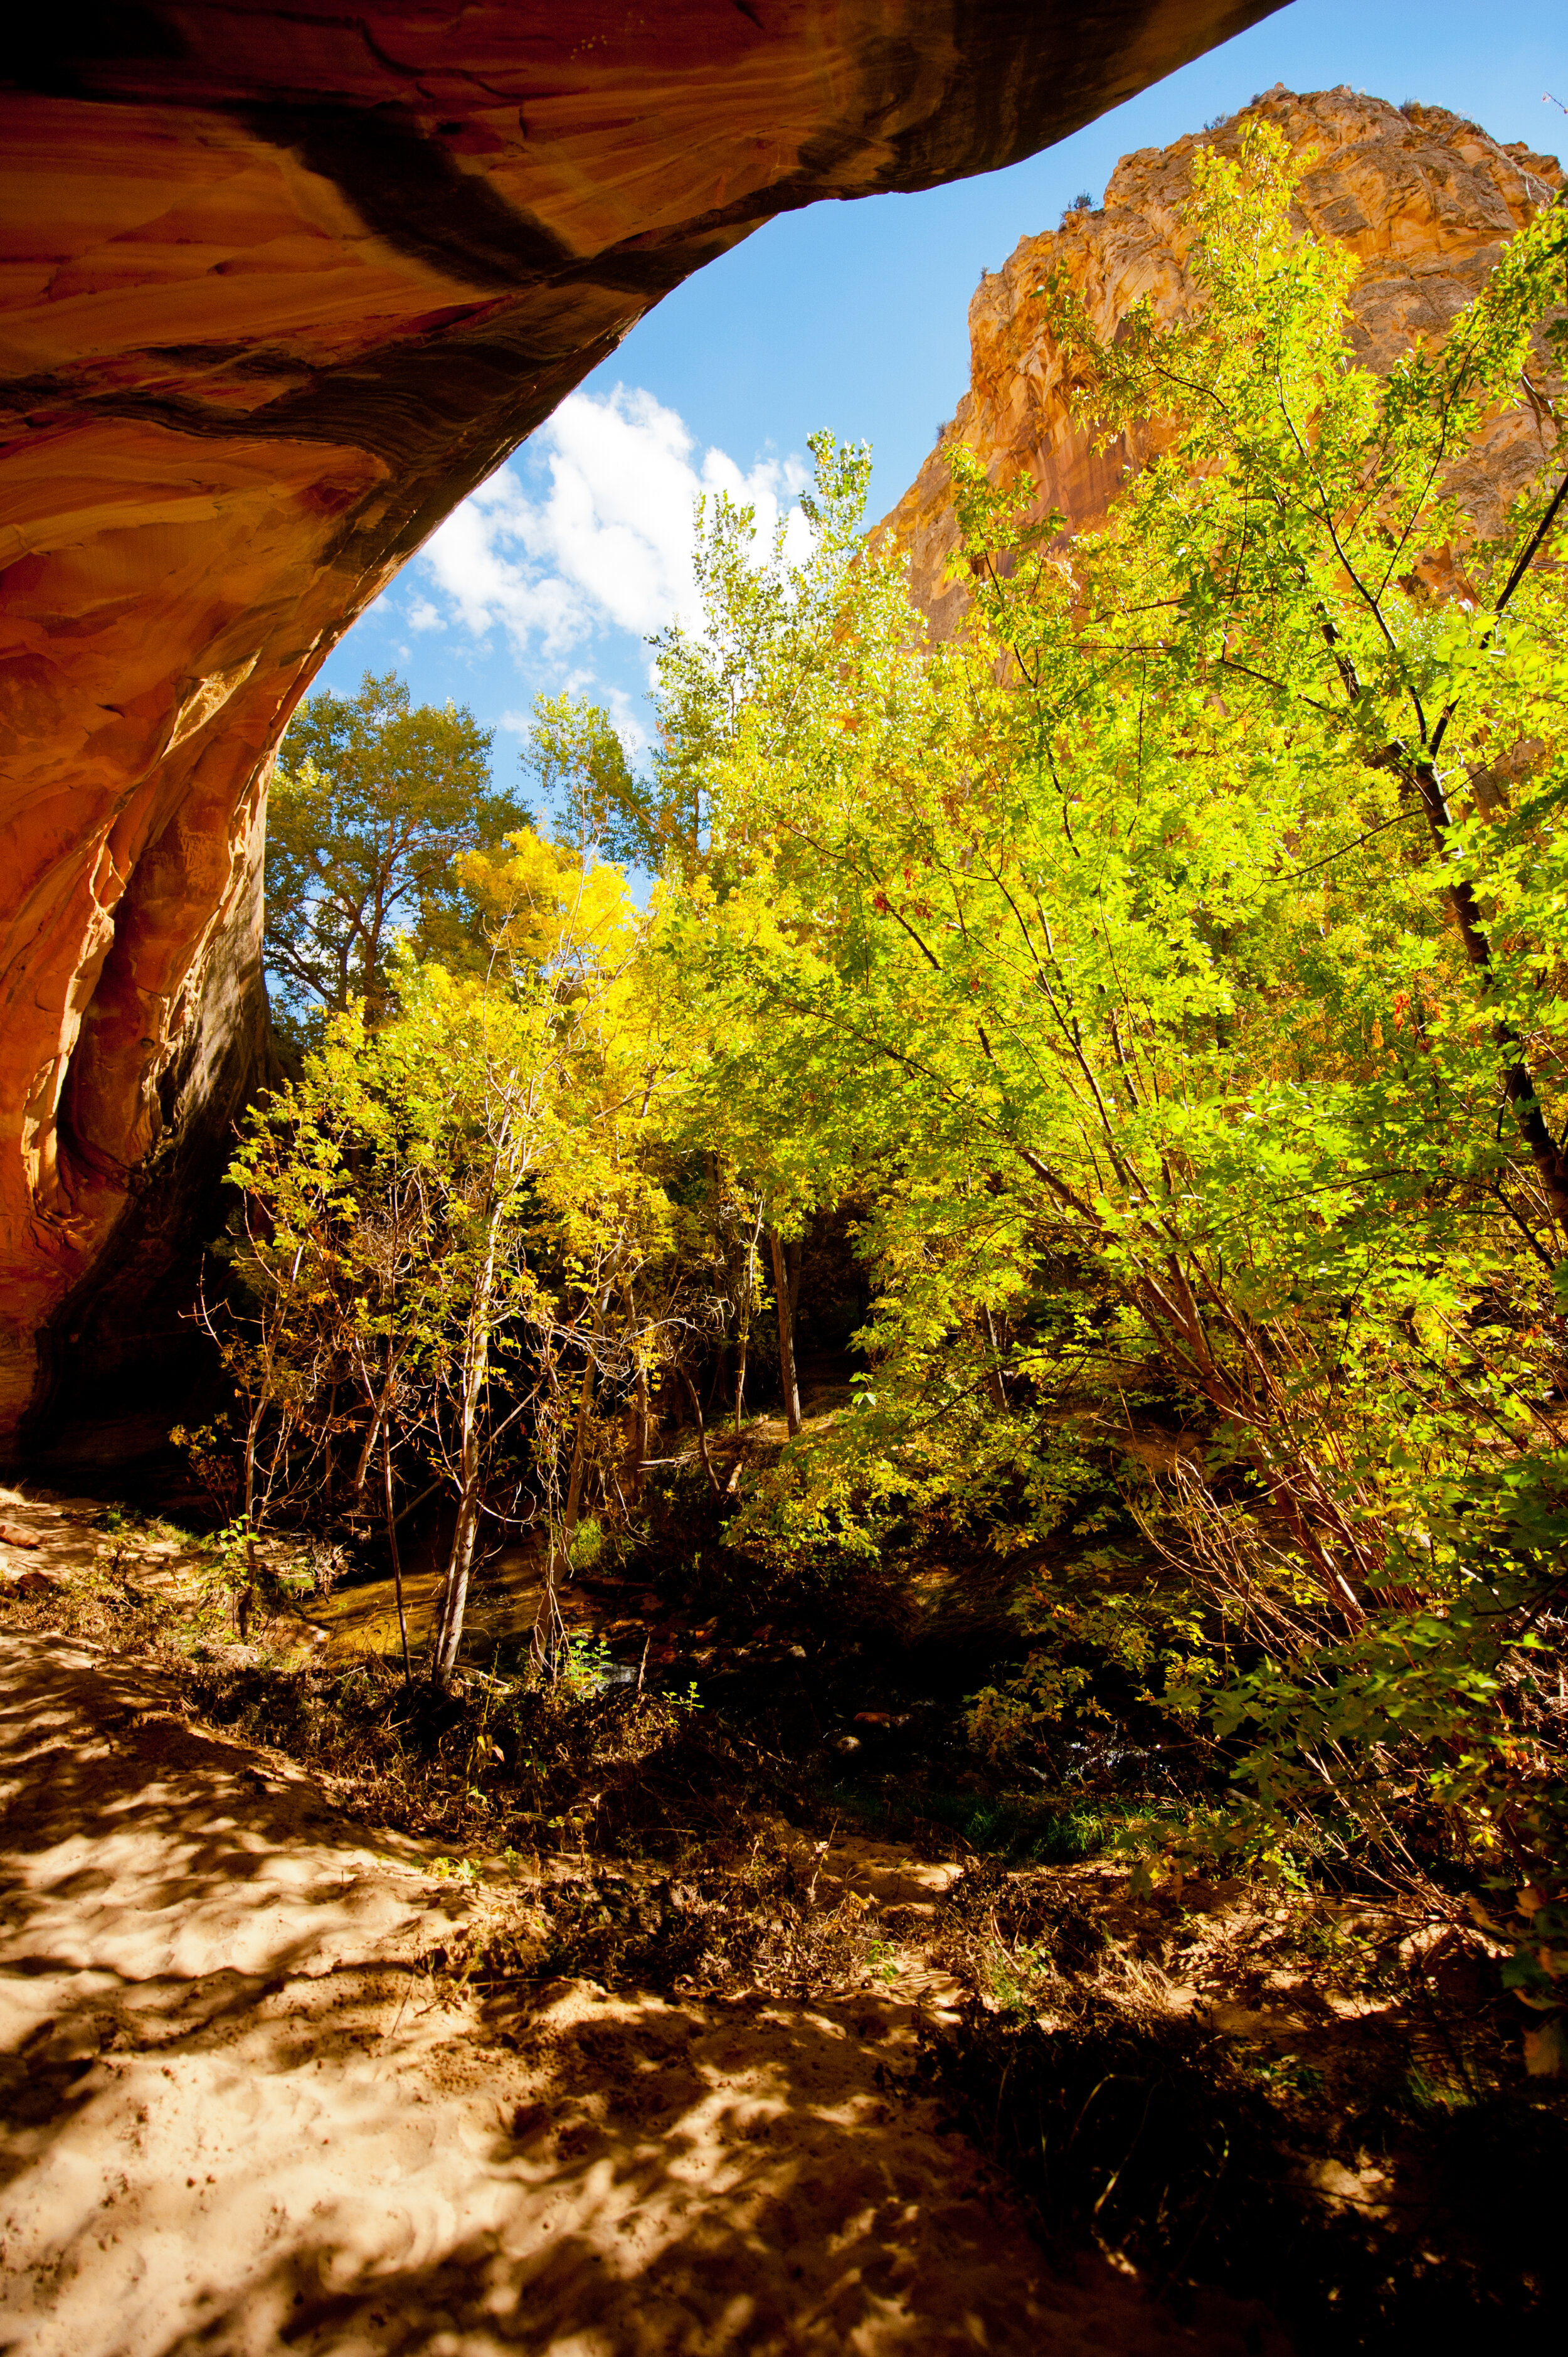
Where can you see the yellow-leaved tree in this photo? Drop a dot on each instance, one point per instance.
(442, 1213)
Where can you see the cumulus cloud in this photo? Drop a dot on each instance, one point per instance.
(591, 529)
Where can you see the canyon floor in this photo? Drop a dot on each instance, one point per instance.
(252, 2101)
(655, 2051)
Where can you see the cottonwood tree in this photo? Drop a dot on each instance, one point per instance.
(598, 807)
(618, 1283)
(373, 802)
(461, 1192)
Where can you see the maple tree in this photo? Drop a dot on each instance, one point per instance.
(1170, 962)
(1180, 948)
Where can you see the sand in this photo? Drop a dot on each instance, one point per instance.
(248, 2111)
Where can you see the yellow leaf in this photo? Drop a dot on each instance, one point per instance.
(1546, 2050)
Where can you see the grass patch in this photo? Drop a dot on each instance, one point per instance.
(1018, 1828)
(1030, 1831)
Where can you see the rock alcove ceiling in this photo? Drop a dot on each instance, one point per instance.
(280, 286)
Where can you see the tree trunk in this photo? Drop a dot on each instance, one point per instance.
(1549, 1158)
(995, 1383)
(373, 1434)
(396, 1558)
(701, 1434)
(574, 1480)
(782, 1291)
(640, 1409)
(740, 1376)
(560, 1550)
(743, 1340)
(245, 1601)
(476, 1360)
(455, 1593)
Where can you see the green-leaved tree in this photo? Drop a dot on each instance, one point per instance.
(1178, 955)
(373, 802)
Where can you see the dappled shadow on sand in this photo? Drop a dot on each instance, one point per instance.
(247, 2110)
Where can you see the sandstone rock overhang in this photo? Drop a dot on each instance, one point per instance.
(280, 286)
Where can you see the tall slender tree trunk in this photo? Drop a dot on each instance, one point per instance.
(783, 1292)
(1549, 1157)
(692, 1394)
(995, 1383)
(372, 1436)
(459, 1565)
(397, 1556)
(245, 1602)
(454, 1592)
(740, 1342)
(560, 1553)
(579, 1451)
(640, 1409)
(743, 1340)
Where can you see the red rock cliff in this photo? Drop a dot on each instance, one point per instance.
(1422, 198)
(279, 287)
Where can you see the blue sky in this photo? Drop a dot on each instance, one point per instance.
(848, 315)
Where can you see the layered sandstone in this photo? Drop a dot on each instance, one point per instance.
(1422, 198)
(279, 287)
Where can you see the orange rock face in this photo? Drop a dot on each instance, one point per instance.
(278, 287)
(1422, 198)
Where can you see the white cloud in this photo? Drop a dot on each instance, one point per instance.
(607, 545)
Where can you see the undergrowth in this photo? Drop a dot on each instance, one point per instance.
(1024, 1828)
(1388, 2218)
(748, 1917)
(1373, 2175)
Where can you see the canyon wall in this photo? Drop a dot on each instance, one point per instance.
(1424, 201)
(278, 286)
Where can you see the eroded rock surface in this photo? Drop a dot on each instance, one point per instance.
(279, 287)
(1424, 199)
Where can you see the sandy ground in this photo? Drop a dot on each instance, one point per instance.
(246, 2106)
(245, 2114)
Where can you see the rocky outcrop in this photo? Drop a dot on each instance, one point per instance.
(1422, 198)
(279, 287)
